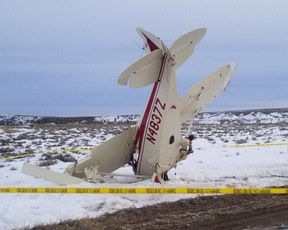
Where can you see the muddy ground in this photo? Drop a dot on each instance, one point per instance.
(208, 212)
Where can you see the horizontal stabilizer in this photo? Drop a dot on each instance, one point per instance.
(55, 177)
(205, 92)
(183, 47)
(107, 157)
(143, 72)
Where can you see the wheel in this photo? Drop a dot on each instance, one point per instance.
(165, 177)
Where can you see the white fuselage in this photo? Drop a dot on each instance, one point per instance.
(158, 136)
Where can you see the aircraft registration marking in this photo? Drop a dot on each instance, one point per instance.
(155, 121)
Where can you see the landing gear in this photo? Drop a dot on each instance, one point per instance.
(190, 150)
(190, 138)
(134, 161)
(165, 176)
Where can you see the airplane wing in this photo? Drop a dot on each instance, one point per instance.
(183, 47)
(55, 177)
(107, 157)
(204, 92)
(144, 71)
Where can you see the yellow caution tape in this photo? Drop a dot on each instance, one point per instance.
(48, 151)
(17, 156)
(70, 150)
(143, 190)
(255, 145)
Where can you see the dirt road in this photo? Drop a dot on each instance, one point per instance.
(210, 212)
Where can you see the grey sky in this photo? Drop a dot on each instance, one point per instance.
(64, 57)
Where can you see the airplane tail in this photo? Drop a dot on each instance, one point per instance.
(143, 72)
(146, 70)
(183, 47)
(151, 42)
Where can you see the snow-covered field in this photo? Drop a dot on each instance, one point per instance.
(212, 164)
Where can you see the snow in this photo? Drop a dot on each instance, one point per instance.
(18, 119)
(211, 164)
(118, 119)
(246, 118)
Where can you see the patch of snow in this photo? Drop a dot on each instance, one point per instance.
(18, 120)
(212, 164)
(117, 118)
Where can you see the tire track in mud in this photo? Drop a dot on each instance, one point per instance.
(204, 212)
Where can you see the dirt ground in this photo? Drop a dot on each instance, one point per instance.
(205, 212)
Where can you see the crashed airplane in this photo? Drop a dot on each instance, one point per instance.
(155, 144)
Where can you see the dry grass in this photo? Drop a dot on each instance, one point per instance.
(8, 129)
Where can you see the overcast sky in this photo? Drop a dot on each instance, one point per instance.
(64, 57)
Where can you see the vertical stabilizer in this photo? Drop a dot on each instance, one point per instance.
(151, 42)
